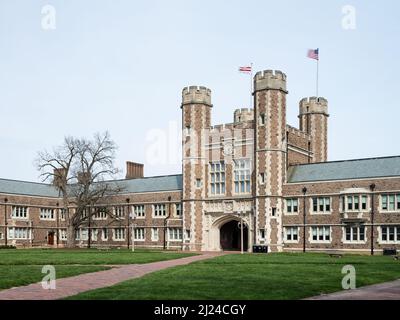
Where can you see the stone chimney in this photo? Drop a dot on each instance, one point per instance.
(134, 170)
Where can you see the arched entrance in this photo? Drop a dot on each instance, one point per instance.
(230, 236)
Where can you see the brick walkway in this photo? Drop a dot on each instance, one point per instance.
(383, 291)
(71, 286)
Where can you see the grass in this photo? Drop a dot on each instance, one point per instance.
(256, 277)
(84, 256)
(15, 276)
(22, 267)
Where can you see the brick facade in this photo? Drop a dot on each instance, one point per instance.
(240, 172)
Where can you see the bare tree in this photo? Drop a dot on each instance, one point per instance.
(81, 171)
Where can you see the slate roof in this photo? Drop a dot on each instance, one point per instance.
(151, 184)
(346, 170)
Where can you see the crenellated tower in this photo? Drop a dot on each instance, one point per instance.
(196, 117)
(313, 118)
(270, 154)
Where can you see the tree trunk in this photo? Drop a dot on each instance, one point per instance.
(70, 236)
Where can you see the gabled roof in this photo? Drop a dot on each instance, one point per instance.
(27, 188)
(151, 184)
(346, 170)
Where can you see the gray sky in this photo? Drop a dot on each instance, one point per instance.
(121, 65)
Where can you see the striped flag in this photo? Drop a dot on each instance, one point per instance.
(245, 69)
(313, 54)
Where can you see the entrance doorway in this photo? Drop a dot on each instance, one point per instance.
(230, 236)
(50, 238)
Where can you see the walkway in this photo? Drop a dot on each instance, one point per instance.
(71, 286)
(383, 291)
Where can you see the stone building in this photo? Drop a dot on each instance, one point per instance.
(256, 176)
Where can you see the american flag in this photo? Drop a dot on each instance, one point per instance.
(313, 54)
(245, 69)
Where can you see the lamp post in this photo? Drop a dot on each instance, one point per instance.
(5, 223)
(58, 224)
(128, 218)
(372, 188)
(304, 218)
(133, 216)
(166, 222)
(241, 232)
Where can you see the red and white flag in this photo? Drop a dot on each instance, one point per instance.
(313, 54)
(247, 69)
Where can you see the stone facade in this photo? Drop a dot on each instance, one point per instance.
(235, 175)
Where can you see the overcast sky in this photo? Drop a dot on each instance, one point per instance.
(121, 66)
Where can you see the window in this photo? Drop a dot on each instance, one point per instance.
(119, 234)
(81, 234)
(321, 234)
(175, 234)
(262, 178)
(242, 176)
(262, 119)
(321, 205)
(217, 178)
(187, 236)
(292, 234)
(390, 202)
(100, 214)
(178, 209)
(363, 202)
(63, 234)
(104, 234)
(19, 212)
(139, 234)
(261, 232)
(63, 214)
(198, 183)
(93, 236)
(46, 214)
(390, 234)
(15, 233)
(355, 234)
(292, 205)
(119, 212)
(273, 213)
(139, 211)
(154, 234)
(354, 203)
(1, 235)
(159, 210)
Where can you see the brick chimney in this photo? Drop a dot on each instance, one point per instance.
(58, 176)
(134, 170)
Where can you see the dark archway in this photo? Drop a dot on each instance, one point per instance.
(230, 236)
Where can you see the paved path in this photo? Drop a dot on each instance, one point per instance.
(383, 291)
(73, 285)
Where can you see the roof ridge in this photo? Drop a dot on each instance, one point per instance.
(348, 160)
(25, 181)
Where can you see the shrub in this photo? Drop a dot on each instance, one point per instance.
(8, 247)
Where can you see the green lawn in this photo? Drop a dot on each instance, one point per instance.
(274, 276)
(22, 267)
(84, 256)
(15, 276)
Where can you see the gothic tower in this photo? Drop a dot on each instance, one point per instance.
(314, 121)
(196, 117)
(270, 154)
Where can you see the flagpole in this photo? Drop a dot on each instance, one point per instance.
(317, 75)
(251, 86)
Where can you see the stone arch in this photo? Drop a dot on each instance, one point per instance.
(225, 221)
